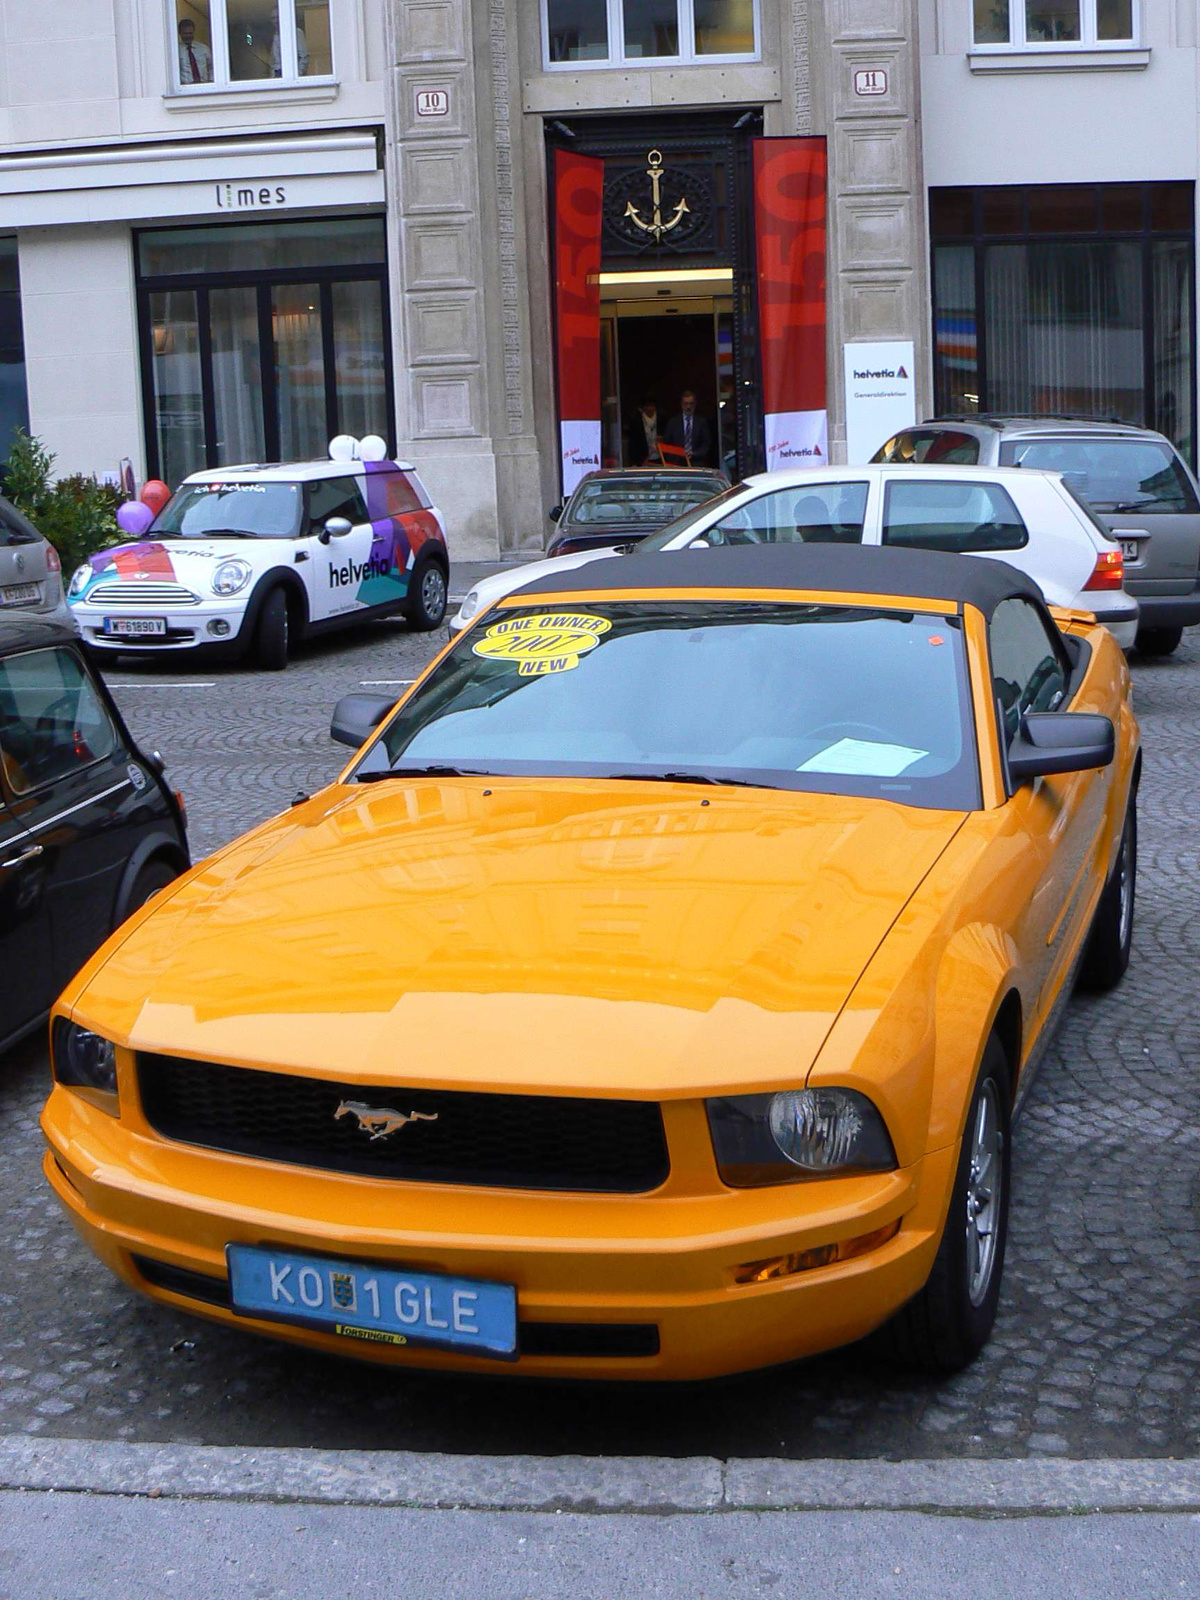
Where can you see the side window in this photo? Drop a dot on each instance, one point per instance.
(819, 513)
(52, 721)
(931, 444)
(335, 497)
(402, 495)
(1030, 671)
(951, 516)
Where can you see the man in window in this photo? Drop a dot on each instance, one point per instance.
(301, 54)
(195, 58)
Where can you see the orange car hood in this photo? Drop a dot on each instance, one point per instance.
(618, 937)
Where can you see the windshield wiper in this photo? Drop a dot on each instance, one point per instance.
(418, 772)
(690, 777)
(1121, 505)
(222, 533)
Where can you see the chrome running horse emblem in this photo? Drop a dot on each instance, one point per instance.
(379, 1121)
(657, 227)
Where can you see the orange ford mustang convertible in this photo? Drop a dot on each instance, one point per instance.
(651, 995)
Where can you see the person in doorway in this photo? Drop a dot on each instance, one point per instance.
(690, 432)
(642, 443)
(195, 58)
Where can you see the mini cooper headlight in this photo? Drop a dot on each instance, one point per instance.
(800, 1133)
(79, 580)
(231, 577)
(82, 1059)
(470, 606)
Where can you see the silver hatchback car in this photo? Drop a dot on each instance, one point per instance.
(30, 571)
(1133, 480)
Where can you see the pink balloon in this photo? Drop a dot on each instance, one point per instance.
(134, 518)
(155, 494)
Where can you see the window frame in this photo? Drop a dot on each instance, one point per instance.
(687, 56)
(222, 83)
(1089, 39)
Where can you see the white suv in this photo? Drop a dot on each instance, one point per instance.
(248, 559)
(1033, 520)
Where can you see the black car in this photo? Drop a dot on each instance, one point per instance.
(89, 829)
(610, 507)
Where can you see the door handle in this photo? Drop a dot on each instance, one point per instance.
(34, 851)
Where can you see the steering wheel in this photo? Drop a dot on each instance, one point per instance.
(852, 730)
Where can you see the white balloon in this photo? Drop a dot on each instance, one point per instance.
(372, 448)
(343, 448)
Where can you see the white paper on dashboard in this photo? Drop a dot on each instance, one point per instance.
(860, 758)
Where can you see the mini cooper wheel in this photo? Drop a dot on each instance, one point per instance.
(271, 639)
(946, 1326)
(1158, 641)
(1107, 954)
(426, 606)
(155, 875)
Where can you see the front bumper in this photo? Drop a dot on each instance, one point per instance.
(663, 1261)
(188, 628)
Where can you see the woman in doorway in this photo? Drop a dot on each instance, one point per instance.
(642, 442)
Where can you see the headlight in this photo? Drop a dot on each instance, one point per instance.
(79, 581)
(801, 1133)
(231, 577)
(83, 1060)
(470, 606)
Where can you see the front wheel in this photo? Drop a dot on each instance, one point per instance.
(946, 1326)
(271, 639)
(426, 604)
(1158, 641)
(1107, 954)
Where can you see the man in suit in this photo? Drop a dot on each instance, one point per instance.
(690, 433)
(195, 59)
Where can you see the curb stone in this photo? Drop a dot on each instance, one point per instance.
(611, 1485)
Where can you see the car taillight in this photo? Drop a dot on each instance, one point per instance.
(1110, 571)
(53, 561)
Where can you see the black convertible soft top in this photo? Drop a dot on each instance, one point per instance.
(28, 630)
(852, 569)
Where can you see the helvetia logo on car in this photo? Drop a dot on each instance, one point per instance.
(354, 572)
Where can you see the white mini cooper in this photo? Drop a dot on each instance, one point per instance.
(247, 559)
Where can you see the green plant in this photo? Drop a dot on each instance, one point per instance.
(77, 514)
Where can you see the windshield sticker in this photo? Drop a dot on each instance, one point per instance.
(552, 641)
(859, 758)
(231, 488)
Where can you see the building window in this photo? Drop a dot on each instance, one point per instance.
(260, 341)
(1038, 24)
(1076, 299)
(14, 402)
(230, 44)
(630, 32)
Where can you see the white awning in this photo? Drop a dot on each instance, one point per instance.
(219, 178)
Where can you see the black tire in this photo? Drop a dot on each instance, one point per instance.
(945, 1327)
(1158, 641)
(271, 638)
(155, 875)
(1107, 954)
(425, 607)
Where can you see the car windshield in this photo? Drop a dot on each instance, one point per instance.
(1111, 474)
(690, 519)
(240, 510)
(824, 698)
(644, 502)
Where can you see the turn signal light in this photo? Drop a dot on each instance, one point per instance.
(1110, 571)
(822, 1256)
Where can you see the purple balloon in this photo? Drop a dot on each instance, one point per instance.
(134, 518)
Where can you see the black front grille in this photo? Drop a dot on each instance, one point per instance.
(509, 1141)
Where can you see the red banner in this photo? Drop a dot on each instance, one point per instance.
(789, 210)
(578, 209)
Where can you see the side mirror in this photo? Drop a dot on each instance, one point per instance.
(335, 528)
(156, 763)
(1060, 741)
(356, 716)
(555, 513)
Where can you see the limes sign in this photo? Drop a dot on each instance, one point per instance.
(549, 641)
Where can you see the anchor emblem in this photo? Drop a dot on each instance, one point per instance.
(657, 228)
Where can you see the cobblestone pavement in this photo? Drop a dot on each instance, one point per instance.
(1097, 1350)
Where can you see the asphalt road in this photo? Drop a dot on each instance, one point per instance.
(1096, 1352)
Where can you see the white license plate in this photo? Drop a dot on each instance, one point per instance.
(19, 594)
(1130, 548)
(136, 627)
